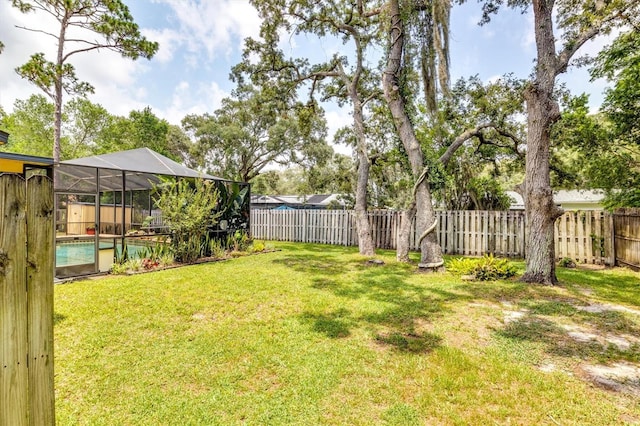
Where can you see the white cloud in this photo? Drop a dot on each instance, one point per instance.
(528, 40)
(113, 76)
(218, 27)
(169, 41)
(186, 99)
(337, 119)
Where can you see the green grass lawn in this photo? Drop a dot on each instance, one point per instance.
(313, 334)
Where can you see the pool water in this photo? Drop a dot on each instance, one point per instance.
(82, 253)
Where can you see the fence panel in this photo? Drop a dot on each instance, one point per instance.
(583, 236)
(627, 237)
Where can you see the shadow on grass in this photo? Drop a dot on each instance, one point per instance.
(322, 264)
(559, 341)
(592, 335)
(410, 342)
(335, 324)
(58, 318)
(618, 288)
(399, 310)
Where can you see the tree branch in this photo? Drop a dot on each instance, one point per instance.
(462, 138)
(36, 31)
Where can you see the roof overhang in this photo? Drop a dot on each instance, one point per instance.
(18, 163)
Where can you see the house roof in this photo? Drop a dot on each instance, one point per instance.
(313, 200)
(563, 196)
(142, 168)
(578, 196)
(16, 163)
(142, 160)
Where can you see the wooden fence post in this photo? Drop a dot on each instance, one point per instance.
(14, 408)
(26, 301)
(40, 252)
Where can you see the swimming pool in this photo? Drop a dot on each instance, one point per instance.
(71, 253)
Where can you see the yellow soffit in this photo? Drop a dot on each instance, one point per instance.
(11, 166)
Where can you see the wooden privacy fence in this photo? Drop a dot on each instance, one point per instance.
(582, 236)
(627, 237)
(26, 301)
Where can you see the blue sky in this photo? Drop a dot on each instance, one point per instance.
(200, 40)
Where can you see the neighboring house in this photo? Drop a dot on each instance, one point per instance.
(283, 202)
(567, 199)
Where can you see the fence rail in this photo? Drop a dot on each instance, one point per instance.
(583, 236)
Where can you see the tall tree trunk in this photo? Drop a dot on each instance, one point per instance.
(57, 101)
(366, 246)
(431, 253)
(365, 240)
(542, 112)
(404, 235)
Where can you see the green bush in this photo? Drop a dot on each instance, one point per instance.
(257, 247)
(119, 268)
(135, 264)
(461, 265)
(486, 268)
(216, 249)
(567, 262)
(188, 207)
(238, 241)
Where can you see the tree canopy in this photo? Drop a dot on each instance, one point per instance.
(254, 129)
(103, 24)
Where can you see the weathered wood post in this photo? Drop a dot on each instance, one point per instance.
(14, 408)
(26, 301)
(40, 267)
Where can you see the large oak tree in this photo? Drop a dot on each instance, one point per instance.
(561, 28)
(344, 77)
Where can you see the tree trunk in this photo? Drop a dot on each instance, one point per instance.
(404, 235)
(542, 112)
(431, 253)
(365, 240)
(541, 212)
(57, 101)
(57, 124)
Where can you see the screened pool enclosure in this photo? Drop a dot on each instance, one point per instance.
(106, 202)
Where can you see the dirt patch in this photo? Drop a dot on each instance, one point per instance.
(618, 377)
(513, 316)
(603, 307)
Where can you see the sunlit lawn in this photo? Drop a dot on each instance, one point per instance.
(313, 334)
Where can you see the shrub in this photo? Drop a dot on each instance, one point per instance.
(166, 259)
(567, 262)
(486, 268)
(257, 247)
(216, 248)
(188, 207)
(149, 264)
(134, 264)
(238, 241)
(461, 265)
(118, 268)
